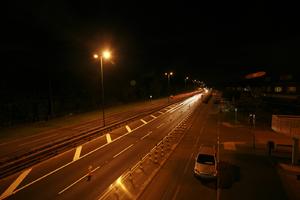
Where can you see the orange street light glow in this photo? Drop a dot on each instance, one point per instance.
(106, 54)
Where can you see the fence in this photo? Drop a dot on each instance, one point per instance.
(286, 124)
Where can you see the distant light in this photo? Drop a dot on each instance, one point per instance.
(171, 73)
(187, 78)
(166, 74)
(106, 54)
(96, 56)
(255, 75)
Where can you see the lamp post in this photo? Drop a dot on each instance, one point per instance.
(169, 74)
(106, 55)
(185, 80)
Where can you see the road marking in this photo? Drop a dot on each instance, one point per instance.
(153, 116)
(77, 153)
(146, 135)
(161, 112)
(64, 166)
(160, 125)
(108, 138)
(229, 146)
(65, 189)
(188, 163)
(9, 191)
(176, 192)
(143, 121)
(123, 151)
(128, 128)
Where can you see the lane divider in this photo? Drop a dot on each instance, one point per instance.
(146, 135)
(128, 128)
(160, 125)
(160, 112)
(78, 181)
(77, 153)
(122, 151)
(9, 191)
(108, 138)
(143, 121)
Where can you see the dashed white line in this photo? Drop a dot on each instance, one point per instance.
(146, 135)
(9, 191)
(77, 181)
(143, 121)
(176, 192)
(128, 128)
(161, 112)
(108, 138)
(123, 151)
(77, 153)
(153, 116)
(160, 125)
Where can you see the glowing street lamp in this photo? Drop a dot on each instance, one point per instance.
(169, 74)
(105, 55)
(185, 80)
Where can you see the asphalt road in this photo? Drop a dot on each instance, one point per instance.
(243, 172)
(106, 158)
(12, 147)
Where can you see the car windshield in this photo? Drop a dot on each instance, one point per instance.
(206, 159)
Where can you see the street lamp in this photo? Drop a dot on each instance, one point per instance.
(169, 74)
(186, 78)
(105, 55)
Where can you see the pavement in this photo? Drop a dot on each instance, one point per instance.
(280, 160)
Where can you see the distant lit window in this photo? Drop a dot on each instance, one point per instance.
(278, 89)
(292, 89)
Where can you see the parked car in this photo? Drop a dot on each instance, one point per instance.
(206, 162)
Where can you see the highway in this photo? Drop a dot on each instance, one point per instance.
(66, 176)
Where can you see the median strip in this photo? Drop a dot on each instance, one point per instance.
(123, 151)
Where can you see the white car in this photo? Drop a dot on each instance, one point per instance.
(206, 162)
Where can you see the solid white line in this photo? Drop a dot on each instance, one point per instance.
(176, 192)
(123, 151)
(188, 163)
(108, 138)
(77, 181)
(77, 153)
(9, 191)
(128, 128)
(143, 121)
(160, 125)
(145, 136)
(153, 116)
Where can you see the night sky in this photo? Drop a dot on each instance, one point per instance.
(215, 42)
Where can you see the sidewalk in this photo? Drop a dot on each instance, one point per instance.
(281, 156)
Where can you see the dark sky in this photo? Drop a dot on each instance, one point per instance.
(210, 41)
